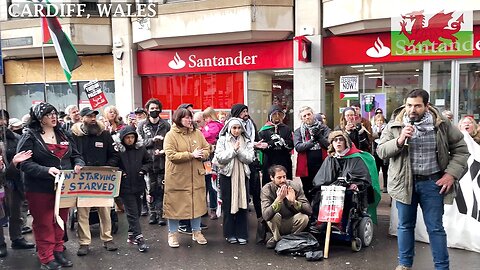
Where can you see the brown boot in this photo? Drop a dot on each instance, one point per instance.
(198, 237)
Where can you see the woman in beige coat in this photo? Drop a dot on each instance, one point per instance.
(184, 197)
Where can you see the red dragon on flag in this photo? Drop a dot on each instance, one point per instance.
(438, 28)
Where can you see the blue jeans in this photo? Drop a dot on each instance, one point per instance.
(425, 193)
(174, 223)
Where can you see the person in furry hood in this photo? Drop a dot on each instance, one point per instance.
(134, 162)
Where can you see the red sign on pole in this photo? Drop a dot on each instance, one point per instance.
(331, 208)
(95, 94)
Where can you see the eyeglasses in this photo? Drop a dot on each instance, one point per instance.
(339, 139)
(51, 114)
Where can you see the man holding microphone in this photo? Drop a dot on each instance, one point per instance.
(427, 157)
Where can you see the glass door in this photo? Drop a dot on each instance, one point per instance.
(467, 90)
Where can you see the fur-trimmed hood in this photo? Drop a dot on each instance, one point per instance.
(118, 139)
(78, 130)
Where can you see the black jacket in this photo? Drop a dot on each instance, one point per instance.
(146, 131)
(279, 151)
(14, 183)
(134, 161)
(97, 150)
(37, 178)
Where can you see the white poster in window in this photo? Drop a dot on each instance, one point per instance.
(349, 83)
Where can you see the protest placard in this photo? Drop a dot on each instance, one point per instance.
(331, 208)
(95, 94)
(92, 182)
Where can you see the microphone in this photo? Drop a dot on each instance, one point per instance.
(406, 140)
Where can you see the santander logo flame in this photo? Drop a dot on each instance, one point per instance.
(177, 62)
(378, 50)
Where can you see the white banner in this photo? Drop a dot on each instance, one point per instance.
(462, 219)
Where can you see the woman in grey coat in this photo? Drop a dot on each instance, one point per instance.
(233, 153)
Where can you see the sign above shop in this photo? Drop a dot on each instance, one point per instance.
(376, 48)
(304, 47)
(252, 56)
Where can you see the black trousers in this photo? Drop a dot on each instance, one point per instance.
(133, 207)
(234, 225)
(156, 205)
(255, 188)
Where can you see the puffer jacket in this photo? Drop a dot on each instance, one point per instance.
(452, 155)
(211, 130)
(224, 153)
(134, 161)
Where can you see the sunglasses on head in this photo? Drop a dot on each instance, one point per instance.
(338, 139)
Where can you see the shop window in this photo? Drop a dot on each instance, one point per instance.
(266, 88)
(21, 96)
(469, 90)
(441, 84)
(219, 90)
(388, 83)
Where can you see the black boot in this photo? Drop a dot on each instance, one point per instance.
(22, 244)
(153, 218)
(61, 259)
(51, 265)
(3, 249)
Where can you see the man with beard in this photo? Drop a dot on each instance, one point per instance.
(311, 142)
(95, 144)
(279, 138)
(241, 111)
(428, 157)
(15, 193)
(153, 130)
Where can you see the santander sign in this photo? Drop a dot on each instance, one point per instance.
(195, 61)
(221, 58)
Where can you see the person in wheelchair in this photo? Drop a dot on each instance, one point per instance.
(354, 169)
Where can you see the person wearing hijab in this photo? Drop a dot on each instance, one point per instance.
(52, 150)
(233, 154)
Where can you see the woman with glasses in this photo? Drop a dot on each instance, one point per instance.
(345, 160)
(52, 151)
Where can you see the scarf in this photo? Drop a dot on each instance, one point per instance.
(423, 126)
(342, 154)
(305, 131)
(249, 129)
(239, 192)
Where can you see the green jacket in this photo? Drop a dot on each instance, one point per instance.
(452, 155)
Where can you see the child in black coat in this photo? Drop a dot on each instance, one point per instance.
(135, 162)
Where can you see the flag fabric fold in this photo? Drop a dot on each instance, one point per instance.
(66, 52)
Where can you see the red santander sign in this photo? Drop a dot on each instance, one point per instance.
(376, 48)
(239, 57)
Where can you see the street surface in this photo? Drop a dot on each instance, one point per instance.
(218, 254)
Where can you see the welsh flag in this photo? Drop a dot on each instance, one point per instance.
(66, 52)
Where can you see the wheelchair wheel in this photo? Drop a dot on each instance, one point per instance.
(365, 231)
(356, 244)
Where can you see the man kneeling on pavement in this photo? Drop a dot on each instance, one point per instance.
(284, 205)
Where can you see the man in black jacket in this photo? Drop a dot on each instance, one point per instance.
(153, 130)
(95, 144)
(15, 193)
(279, 138)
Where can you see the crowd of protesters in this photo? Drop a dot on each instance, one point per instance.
(203, 164)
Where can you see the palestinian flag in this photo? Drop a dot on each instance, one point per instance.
(349, 96)
(67, 54)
